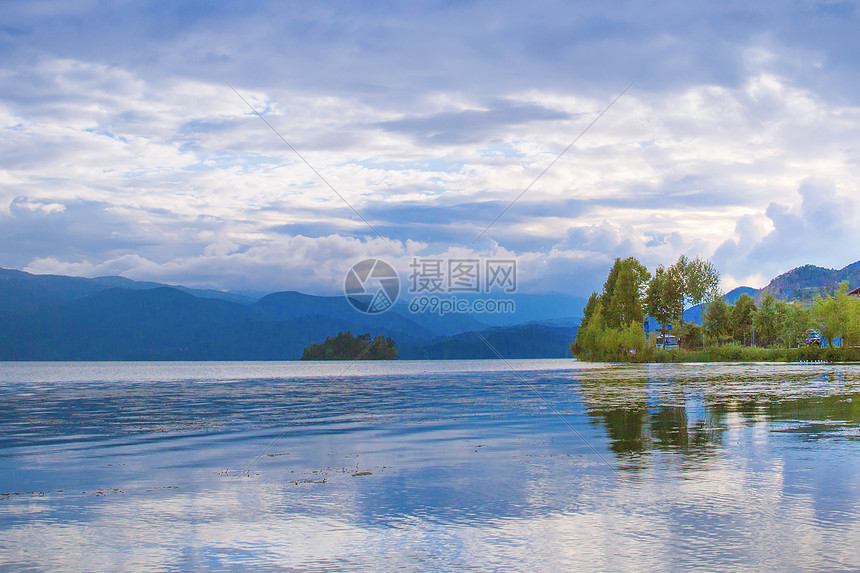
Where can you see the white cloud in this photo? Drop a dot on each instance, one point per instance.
(44, 207)
(816, 228)
(185, 173)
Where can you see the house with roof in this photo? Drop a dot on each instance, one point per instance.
(652, 327)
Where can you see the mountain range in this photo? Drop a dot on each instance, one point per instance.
(806, 282)
(802, 284)
(51, 317)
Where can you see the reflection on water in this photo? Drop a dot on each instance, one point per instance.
(687, 413)
(415, 466)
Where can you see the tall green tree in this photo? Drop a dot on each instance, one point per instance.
(702, 280)
(592, 331)
(622, 294)
(792, 322)
(718, 324)
(589, 317)
(765, 320)
(611, 328)
(664, 298)
(590, 306)
(837, 316)
(742, 318)
(701, 284)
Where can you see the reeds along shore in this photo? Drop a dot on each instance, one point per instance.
(739, 353)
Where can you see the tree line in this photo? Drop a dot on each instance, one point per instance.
(778, 323)
(612, 328)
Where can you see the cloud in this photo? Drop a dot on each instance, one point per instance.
(284, 263)
(815, 229)
(124, 141)
(471, 125)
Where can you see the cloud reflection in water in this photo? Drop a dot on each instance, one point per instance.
(137, 467)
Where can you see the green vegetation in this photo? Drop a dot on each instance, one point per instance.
(611, 328)
(772, 330)
(345, 346)
(734, 352)
(807, 283)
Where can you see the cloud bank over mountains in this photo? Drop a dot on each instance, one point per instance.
(125, 152)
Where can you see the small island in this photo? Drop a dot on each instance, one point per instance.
(345, 346)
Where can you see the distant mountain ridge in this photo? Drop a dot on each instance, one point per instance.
(54, 317)
(21, 291)
(799, 284)
(804, 283)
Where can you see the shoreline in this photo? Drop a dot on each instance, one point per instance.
(736, 353)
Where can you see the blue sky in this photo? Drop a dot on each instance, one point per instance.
(125, 152)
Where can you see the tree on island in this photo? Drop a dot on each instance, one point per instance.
(345, 346)
(767, 329)
(611, 328)
(622, 292)
(687, 282)
(717, 320)
(837, 316)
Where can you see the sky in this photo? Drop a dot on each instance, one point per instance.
(130, 147)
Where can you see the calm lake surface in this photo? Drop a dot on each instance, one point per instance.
(415, 466)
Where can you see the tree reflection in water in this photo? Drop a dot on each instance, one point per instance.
(689, 417)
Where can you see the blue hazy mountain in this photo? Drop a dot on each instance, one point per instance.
(694, 313)
(520, 341)
(51, 317)
(528, 308)
(733, 295)
(21, 291)
(168, 324)
(285, 305)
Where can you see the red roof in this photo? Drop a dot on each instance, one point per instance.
(855, 292)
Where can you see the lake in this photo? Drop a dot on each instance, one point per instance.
(544, 465)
